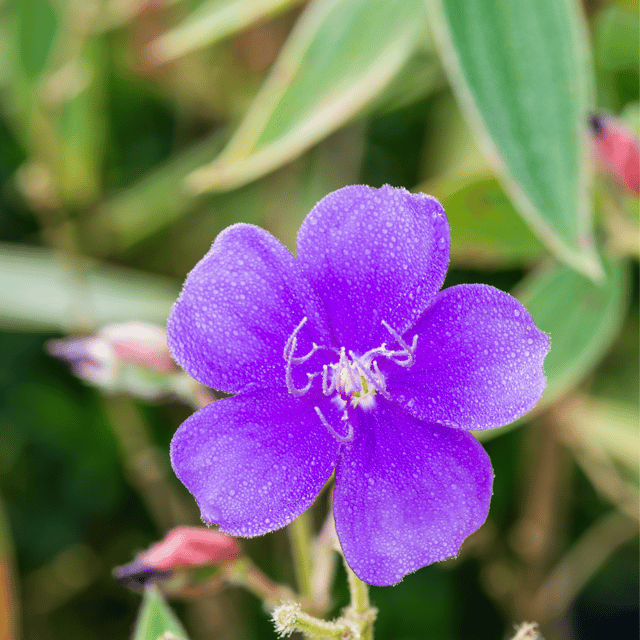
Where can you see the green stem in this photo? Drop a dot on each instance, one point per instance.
(300, 540)
(360, 604)
(359, 592)
(290, 617)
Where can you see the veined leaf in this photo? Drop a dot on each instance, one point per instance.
(523, 75)
(340, 56)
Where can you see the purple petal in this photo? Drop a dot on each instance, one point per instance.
(373, 255)
(239, 305)
(253, 462)
(478, 360)
(407, 494)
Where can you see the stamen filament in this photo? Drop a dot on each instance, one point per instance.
(332, 431)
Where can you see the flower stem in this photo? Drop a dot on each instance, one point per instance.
(300, 540)
(360, 607)
(290, 617)
(359, 592)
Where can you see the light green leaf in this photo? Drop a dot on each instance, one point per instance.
(40, 292)
(156, 618)
(523, 75)
(212, 21)
(582, 320)
(339, 57)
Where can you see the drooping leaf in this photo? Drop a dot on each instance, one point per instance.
(41, 292)
(522, 73)
(339, 57)
(156, 618)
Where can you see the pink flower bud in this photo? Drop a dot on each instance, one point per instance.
(181, 548)
(109, 358)
(141, 343)
(192, 546)
(617, 151)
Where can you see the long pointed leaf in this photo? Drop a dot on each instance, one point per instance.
(41, 293)
(339, 58)
(522, 72)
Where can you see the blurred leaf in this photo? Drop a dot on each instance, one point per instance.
(278, 202)
(213, 21)
(485, 228)
(38, 25)
(609, 425)
(156, 201)
(82, 122)
(419, 77)
(41, 292)
(616, 33)
(581, 318)
(339, 57)
(522, 73)
(156, 618)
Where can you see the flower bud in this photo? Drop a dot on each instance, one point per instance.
(617, 151)
(181, 549)
(132, 357)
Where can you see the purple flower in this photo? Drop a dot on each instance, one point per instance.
(348, 358)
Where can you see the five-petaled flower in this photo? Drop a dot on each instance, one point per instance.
(349, 358)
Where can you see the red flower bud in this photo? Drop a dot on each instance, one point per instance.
(181, 548)
(617, 151)
(192, 546)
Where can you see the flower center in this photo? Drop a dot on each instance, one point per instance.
(353, 378)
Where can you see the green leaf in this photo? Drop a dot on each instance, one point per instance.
(522, 73)
(485, 228)
(339, 57)
(157, 200)
(82, 123)
(582, 319)
(40, 292)
(156, 618)
(212, 21)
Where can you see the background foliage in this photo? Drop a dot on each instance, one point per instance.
(131, 133)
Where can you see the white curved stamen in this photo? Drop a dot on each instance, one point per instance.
(352, 380)
(333, 432)
(407, 351)
(289, 349)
